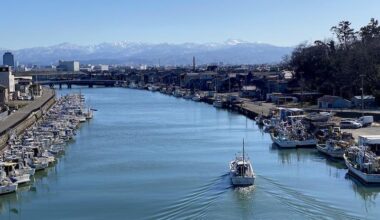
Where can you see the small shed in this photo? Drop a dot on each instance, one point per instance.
(328, 101)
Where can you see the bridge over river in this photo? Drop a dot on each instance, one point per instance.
(81, 82)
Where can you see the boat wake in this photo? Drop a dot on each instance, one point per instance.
(197, 202)
(303, 204)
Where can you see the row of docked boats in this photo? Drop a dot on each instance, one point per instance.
(292, 128)
(40, 145)
(176, 92)
(218, 101)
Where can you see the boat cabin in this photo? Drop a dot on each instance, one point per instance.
(286, 112)
(242, 168)
(371, 141)
(8, 167)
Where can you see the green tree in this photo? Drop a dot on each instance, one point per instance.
(344, 33)
(370, 31)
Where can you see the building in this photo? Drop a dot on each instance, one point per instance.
(7, 79)
(3, 95)
(249, 92)
(68, 66)
(35, 90)
(328, 101)
(368, 101)
(8, 59)
(101, 68)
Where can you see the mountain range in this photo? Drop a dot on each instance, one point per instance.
(228, 52)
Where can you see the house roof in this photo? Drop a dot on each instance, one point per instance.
(364, 97)
(249, 88)
(329, 98)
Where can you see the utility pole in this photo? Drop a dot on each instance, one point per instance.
(229, 84)
(302, 88)
(362, 77)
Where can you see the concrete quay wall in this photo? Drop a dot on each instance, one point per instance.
(26, 116)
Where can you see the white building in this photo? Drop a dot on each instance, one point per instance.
(7, 79)
(69, 66)
(101, 68)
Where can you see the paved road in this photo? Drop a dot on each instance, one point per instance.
(18, 116)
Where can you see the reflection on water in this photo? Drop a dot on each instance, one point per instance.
(293, 155)
(369, 193)
(10, 203)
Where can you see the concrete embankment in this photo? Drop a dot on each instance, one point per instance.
(247, 108)
(26, 116)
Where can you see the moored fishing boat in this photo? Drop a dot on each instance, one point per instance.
(364, 161)
(292, 136)
(333, 148)
(241, 172)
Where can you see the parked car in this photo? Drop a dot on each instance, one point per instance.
(350, 124)
(366, 120)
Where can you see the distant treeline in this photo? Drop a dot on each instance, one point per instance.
(336, 66)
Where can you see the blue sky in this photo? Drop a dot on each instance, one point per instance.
(30, 23)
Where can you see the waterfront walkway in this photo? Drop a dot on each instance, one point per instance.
(17, 117)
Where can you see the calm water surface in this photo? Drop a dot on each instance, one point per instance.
(150, 156)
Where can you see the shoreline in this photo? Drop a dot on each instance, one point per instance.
(251, 109)
(26, 116)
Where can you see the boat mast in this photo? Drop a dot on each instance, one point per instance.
(243, 151)
(243, 168)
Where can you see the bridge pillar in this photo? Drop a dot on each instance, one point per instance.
(69, 86)
(51, 85)
(60, 86)
(90, 85)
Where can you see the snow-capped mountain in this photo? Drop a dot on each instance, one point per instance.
(231, 51)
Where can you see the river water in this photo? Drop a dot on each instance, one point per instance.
(149, 156)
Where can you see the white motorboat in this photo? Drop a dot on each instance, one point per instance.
(6, 185)
(241, 171)
(14, 174)
(218, 103)
(82, 119)
(89, 114)
(196, 98)
(333, 148)
(284, 141)
(188, 96)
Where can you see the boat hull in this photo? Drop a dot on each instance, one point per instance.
(8, 189)
(217, 104)
(21, 179)
(364, 177)
(333, 154)
(293, 143)
(242, 181)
